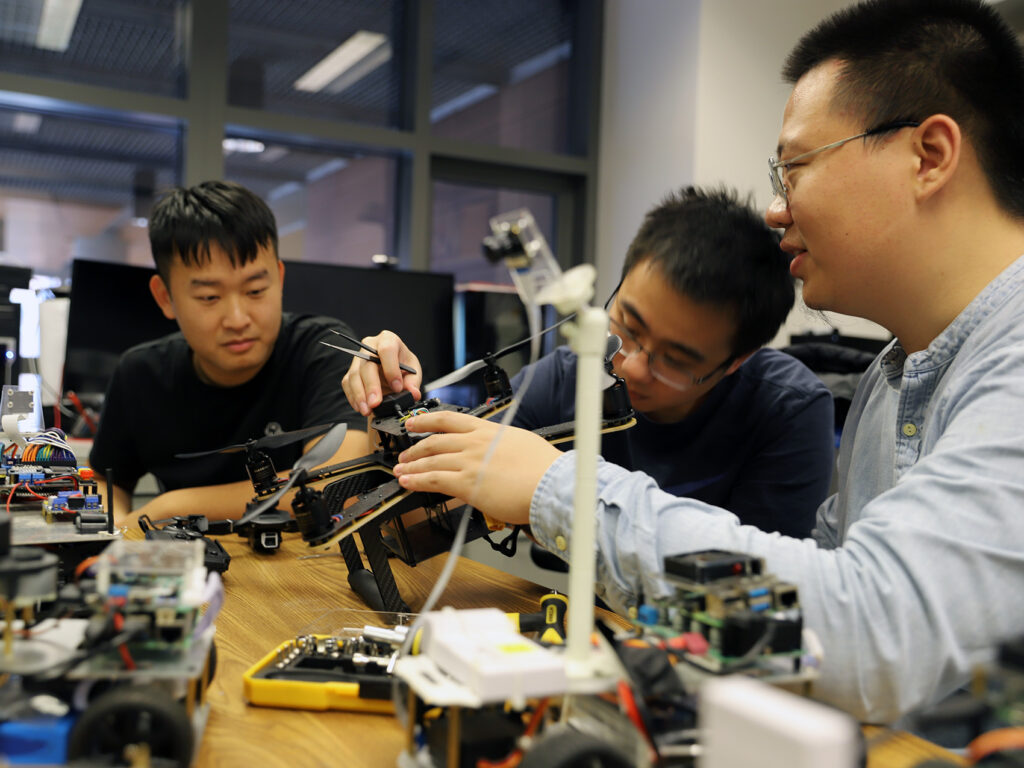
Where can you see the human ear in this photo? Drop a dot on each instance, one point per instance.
(736, 363)
(162, 296)
(937, 146)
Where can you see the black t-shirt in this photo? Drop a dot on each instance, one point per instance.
(156, 406)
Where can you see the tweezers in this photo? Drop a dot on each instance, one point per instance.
(373, 357)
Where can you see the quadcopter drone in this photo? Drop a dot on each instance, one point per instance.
(263, 531)
(323, 506)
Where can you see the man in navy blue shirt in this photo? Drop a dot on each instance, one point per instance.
(720, 418)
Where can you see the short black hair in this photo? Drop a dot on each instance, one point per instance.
(187, 219)
(714, 248)
(910, 59)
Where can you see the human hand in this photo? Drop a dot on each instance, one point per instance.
(452, 462)
(128, 519)
(363, 384)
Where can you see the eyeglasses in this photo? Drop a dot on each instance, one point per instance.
(776, 167)
(667, 370)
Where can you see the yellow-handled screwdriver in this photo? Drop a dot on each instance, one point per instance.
(549, 621)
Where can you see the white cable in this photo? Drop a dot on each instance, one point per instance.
(213, 595)
(533, 320)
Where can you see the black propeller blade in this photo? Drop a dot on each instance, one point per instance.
(611, 349)
(460, 373)
(310, 460)
(267, 441)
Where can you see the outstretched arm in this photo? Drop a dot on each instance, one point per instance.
(218, 502)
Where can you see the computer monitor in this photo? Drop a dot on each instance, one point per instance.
(415, 305)
(111, 310)
(10, 319)
(489, 318)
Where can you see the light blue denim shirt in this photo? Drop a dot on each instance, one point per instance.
(916, 568)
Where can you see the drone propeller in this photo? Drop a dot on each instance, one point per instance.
(460, 373)
(308, 461)
(267, 441)
(612, 348)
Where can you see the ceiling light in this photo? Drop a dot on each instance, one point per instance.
(244, 146)
(326, 169)
(347, 64)
(56, 23)
(26, 122)
(273, 154)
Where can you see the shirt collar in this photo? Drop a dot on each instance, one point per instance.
(947, 344)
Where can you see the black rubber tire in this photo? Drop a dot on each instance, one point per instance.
(130, 714)
(573, 749)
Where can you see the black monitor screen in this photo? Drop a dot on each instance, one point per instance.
(112, 310)
(415, 305)
(10, 318)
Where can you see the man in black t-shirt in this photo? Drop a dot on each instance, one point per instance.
(238, 368)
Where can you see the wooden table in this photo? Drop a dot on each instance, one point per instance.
(272, 598)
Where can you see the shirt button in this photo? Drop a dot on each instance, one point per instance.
(561, 543)
(909, 429)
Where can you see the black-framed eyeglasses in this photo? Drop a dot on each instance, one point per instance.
(776, 167)
(674, 373)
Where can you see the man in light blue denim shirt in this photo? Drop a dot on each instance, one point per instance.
(900, 187)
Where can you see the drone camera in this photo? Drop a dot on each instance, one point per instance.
(264, 532)
(506, 244)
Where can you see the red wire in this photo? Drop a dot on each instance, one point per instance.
(11, 496)
(73, 397)
(129, 662)
(515, 757)
(632, 711)
(32, 492)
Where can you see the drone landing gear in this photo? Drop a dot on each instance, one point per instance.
(376, 584)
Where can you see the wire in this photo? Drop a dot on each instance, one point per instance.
(754, 651)
(460, 535)
(126, 656)
(76, 401)
(11, 496)
(533, 322)
(515, 757)
(85, 565)
(632, 709)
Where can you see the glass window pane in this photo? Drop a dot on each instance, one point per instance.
(501, 72)
(489, 314)
(134, 46)
(317, 58)
(74, 187)
(332, 204)
(461, 216)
